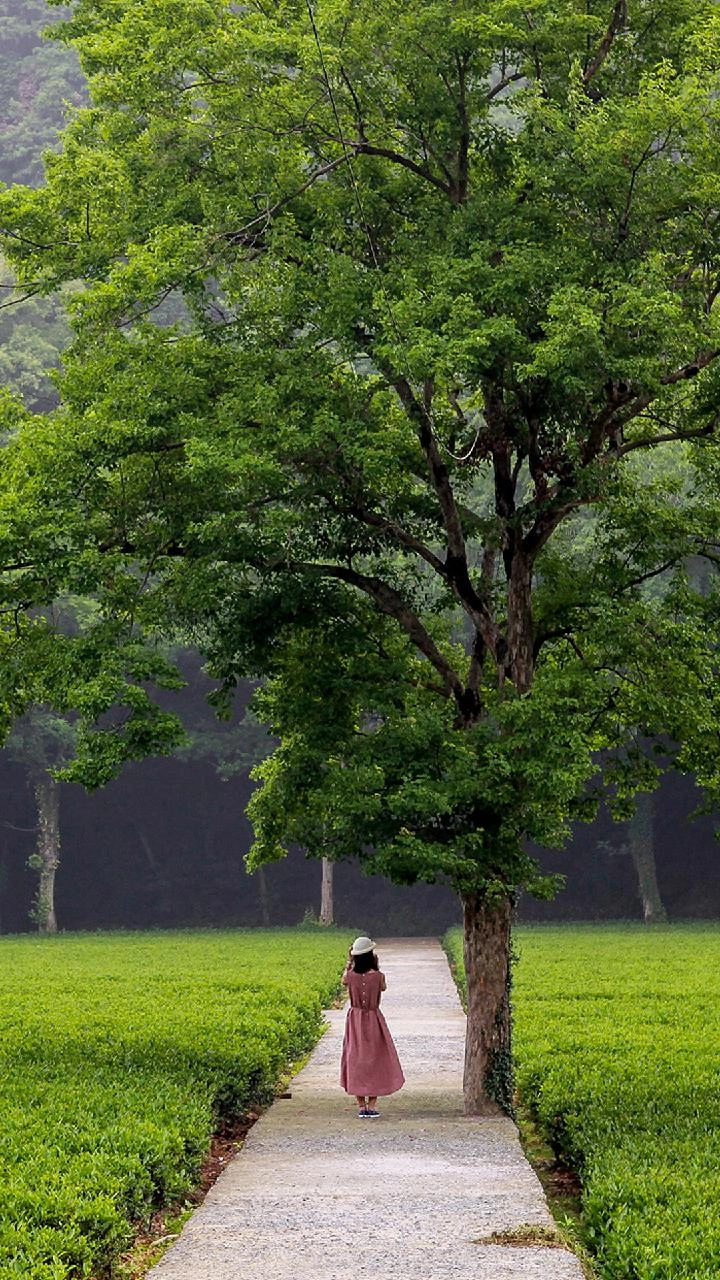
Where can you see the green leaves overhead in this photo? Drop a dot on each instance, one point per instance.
(379, 312)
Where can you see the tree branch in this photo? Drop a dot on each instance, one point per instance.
(359, 114)
(268, 214)
(35, 244)
(547, 522)
(422, 422)
(476, 665)
(617, 21)
(461, 186)
(669, 436)
(456, 562)
(431, 152)
(401, 536)
(623, 394)
(691, 370)
(606, 424)
(650, 574)
(456, 571)
(504, 84)
(25, 297)
(362, 147)
(391, 602)
(624, 219)
(544, 637)
(17, 609)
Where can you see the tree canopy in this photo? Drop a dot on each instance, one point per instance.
(441, 278)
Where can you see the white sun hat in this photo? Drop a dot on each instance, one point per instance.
(361, 946)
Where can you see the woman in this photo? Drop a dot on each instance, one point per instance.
(369, 1065)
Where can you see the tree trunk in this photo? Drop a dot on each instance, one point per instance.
(47, 853)
(488, 1082)
(642, 848)
(326, 892)
(520, 629)
(264, 897)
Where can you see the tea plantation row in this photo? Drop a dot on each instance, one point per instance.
(617, 1043)
(118, 1056)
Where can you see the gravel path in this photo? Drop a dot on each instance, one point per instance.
(316, 1194)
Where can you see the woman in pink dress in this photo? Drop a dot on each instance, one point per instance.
(369, 1065)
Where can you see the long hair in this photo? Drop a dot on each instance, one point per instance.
(366, 962)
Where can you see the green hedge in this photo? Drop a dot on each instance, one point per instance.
(617, 1045)
(119, 1054)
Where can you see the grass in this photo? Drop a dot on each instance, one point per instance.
(529, 1235)
(119, 1057)
(616, 1034)
(150, 1244)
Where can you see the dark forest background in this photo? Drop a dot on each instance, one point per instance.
(164, 844)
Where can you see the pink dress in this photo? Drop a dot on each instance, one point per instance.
(369, 1066)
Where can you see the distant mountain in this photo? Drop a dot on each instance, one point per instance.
(40, 82)
(39, 79)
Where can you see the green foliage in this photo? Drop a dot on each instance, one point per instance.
(93, 661)
(32, 335)
(438, 277)
(230, 748)
(615, 1035)
(430, 800)
(41, 741)
(123, 1052)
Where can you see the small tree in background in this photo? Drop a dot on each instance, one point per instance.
(639, 845)
(43, 743)
(327, 897)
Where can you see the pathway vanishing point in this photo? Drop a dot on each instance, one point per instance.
(316, 1194)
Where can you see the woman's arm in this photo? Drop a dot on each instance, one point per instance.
(383, 983)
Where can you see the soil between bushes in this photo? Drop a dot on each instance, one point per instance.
(163, 1228)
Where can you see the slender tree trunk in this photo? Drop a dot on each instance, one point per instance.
(520, 629)
(264, 897)
(642, 848)
(487, 1083)
(326, 892)
(47, 853)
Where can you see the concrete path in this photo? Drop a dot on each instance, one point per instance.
(316, 1194)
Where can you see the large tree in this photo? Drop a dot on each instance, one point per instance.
(449, 274)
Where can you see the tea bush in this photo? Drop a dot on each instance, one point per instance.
(119, 1055)
(616, 1041)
